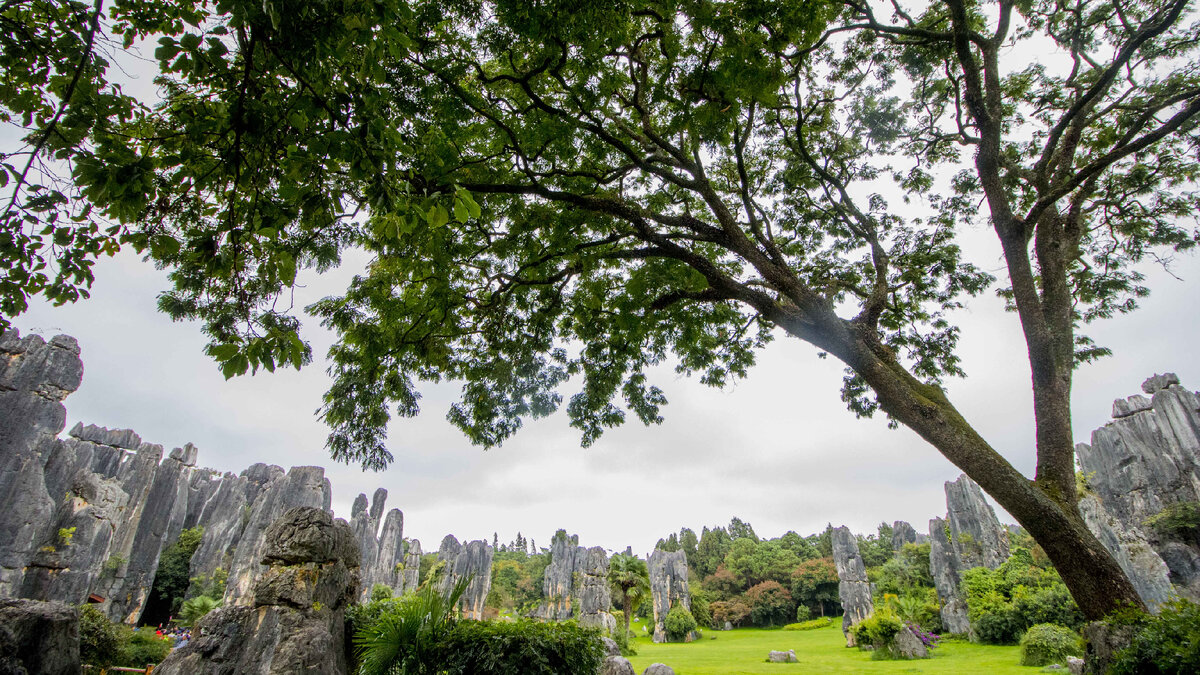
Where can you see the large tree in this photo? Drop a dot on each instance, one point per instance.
(559, 189)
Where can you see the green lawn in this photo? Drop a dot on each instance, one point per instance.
(744, 652)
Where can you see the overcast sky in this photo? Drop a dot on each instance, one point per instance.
(778, 449)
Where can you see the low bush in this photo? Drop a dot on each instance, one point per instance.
(1048, 643)
(1168, 643)
(679, 623)
(877, 631)
(819, 622)
(1180, 520)
(99, 638)
(519, 648)
(803, 613)
(143, 648)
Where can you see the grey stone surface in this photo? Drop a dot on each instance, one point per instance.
(668, 586)
(904, 533)
(301, 486)
(658, 669)
(975, 532)
(610, 646)
(944, 567)
(1075, 665)
(294, 620)
(617, 665)
(1133, 552)
(909, 646)
(1142, 462)
(1101, 643)
(783, 657)
(575, 584)
(38, 638)
(854, 589)
(473, 561)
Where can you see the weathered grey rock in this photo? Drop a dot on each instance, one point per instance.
(474, 561)
(412, 564)
(1144, 461)
(975, 532)
(558, 580)
(1132, 551)
(301, 486)
(38, 638)
(1101, 642)
(668, 587)
(575, 584)
(944, 567)
(727, 626)
(617, 665)
(295, 619)
(783, 657)
(658, 669)
(611, 648)
(854, 589)
(1075, 665)
(390, 560)
(908, 646)
(903, 533)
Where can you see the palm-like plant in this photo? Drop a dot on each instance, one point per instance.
(629, 579)
(404, 638)
(195, 609)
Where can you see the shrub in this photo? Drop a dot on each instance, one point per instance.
(1048, 643)
(99, 638)
(1022, 592)
(1180, 520)
(519, 648)
(803, 613)
(1168, 643)
(404, 637)
(142, 648)
(701, 610)
(877, 631)
(819, 622)
(381, 592)
(679, 623)
(734, 611)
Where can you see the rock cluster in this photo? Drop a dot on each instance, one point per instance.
(970, 536)
(387, 557)
(575, 584)
(1143, 462)
(854, 589)
(470, 561)
(293, 618)
(90, 514)
(668, 587)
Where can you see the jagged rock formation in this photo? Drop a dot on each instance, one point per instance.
(575, 584)
(946, 573)
(38, 638)
(386, 555)
(854, 589)
(977, 535)
(1133, 552)
(668, 586)
(294, 620)
(971, 536)
(91, 513)
(903, 533)
(474, 561)
(1147, 460)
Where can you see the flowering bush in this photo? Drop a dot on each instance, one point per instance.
(929, 639)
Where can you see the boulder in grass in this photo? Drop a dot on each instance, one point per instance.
(617, 665)
(783, 657)
(658, 669)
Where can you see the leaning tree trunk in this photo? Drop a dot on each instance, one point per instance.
(1098, 585)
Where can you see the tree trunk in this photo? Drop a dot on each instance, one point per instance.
(628, 613)
(1098, 585)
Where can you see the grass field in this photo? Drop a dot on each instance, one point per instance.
(744, 652)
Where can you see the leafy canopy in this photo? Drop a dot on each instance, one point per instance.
(559, 190)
